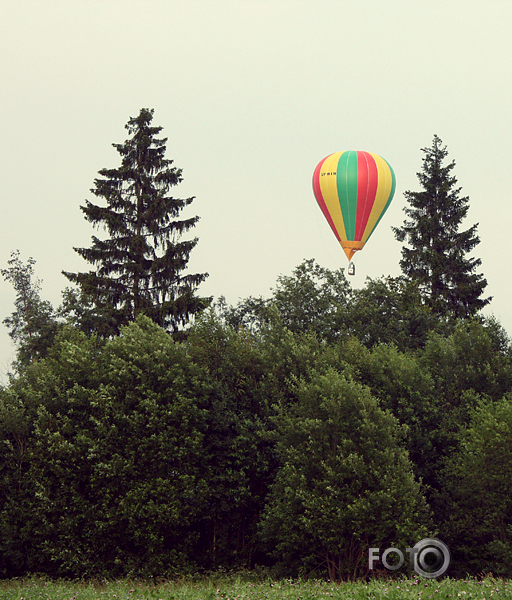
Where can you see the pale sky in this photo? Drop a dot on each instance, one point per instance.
(252, 94)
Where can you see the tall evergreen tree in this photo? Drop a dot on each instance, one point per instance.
(436, 257)
(140, 267)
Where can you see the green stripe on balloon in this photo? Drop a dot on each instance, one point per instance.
(346, 182)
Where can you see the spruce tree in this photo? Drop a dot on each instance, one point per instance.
(140, 266)
(436, 256)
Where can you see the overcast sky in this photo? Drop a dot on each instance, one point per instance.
(251, 94)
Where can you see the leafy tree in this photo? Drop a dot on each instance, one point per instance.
(403, 386)
(139, 268)
(478, 479)
(470, 358)
(389, 311)
(311, 300)
(319, 301)
(137, 455)
(17, 417)
(33, 324)
(344, 483)
(237, 454)
(436, 255)
(112, 480)
(469, 365)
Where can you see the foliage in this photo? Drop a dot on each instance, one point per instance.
(435, 258)
(433, 390)
(311, 300)
(140, 456)
(344, 483)
(254, 442)
(466, 366)
(236, 454)
(478, 478)
(139, 268)
(470, 358)
(314, 300)
(405, 388)
(319, 301)
(113, 478)
(33, 324)
(79, 310)
(389, 311)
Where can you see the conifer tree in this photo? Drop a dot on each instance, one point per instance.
(436, 256)
(140, 266)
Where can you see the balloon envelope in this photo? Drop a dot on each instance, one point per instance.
(354, 190)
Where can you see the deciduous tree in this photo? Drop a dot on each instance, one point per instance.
(33, 324)
(478, 478)
(344, 483)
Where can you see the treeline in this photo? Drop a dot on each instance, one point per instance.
(146, 432)
(286, 433)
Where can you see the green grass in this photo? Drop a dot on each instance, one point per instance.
(223, 588)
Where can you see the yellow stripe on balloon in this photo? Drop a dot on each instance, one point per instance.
(385, 183)
(329, 189)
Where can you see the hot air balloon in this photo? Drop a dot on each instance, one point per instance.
(354, 190)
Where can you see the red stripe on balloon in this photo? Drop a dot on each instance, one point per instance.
(320, 199)
(368, 180)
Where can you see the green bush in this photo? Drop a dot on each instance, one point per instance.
(344, 483)
(478, 480)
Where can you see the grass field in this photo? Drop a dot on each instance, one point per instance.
(243, 589)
